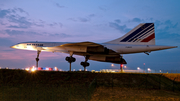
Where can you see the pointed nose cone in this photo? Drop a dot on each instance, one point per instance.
(12, 46)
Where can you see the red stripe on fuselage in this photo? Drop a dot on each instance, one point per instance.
(149, 38)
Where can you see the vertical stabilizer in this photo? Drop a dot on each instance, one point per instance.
(143, 34)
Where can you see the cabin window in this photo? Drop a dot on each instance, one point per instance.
(36, 44)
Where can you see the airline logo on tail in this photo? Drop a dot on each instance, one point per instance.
(141, 33)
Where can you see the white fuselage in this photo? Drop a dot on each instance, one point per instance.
(58, 47)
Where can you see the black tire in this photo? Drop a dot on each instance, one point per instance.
(85, 64)
(67, 58)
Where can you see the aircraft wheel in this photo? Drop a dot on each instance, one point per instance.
(70, 59)
(37, 59)
(85, 64)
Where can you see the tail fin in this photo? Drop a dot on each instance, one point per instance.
(143, 34)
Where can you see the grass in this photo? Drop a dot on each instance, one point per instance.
(130, 94)
(137, 80)
(19, 85)
(174, 76)
(44, 93)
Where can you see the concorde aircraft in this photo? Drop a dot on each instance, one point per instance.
(138, 40)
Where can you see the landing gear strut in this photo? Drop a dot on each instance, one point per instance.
(37, 59)
(70, 60)
(85, 64)
(121, 67)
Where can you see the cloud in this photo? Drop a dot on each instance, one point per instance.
(22, 22)
(117, 21)
(14, 18)
(60, 35)
(83, 19)
(4, 13)
(32, 35)
(15, 10)
(21, 33)
(116, 25)
(136, 20)
(91, 15)
(59, 6)
(8, 12)
(167, 26)
(56, 24)
(103, 8)
(2, 23)
(14, 26)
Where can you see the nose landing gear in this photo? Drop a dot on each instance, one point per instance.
(37, 59)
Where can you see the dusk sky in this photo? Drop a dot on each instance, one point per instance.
(87, 20)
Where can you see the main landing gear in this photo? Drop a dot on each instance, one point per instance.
(85, 64)
(37, 59)
(70, 60)
(121, 63)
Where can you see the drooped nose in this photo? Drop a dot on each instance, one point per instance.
(13, 46)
